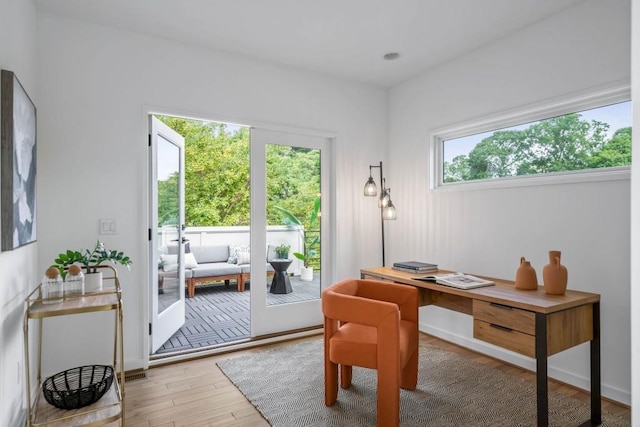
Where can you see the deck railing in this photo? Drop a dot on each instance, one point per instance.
(240, 236)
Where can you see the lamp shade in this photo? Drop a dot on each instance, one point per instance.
(383, 201)
(370, 188)
(389, 212)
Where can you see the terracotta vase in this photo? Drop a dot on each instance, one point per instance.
(526, 278)
(554, 275)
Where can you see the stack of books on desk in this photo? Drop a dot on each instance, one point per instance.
(415, 267)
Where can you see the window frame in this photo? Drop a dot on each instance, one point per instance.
(522, 115)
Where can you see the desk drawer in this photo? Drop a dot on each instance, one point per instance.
(502, 315)
(504, 337)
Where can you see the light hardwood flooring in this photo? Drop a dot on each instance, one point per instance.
(196, 393)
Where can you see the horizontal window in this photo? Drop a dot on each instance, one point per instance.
(571, 140)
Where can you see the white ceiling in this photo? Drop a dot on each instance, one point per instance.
(341, 38)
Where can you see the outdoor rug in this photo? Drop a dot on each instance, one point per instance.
(287, 386)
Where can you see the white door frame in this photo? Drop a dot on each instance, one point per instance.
(284, 317)
(165, 323)
(328, 213)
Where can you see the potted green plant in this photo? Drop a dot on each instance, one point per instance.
(90, 259)
(282, 251)
(308, 245)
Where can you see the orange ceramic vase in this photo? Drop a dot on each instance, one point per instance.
(526, 278)
(554, 275)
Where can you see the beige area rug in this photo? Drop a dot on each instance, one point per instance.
(287, 386)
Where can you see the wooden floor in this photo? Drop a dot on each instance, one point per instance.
(197, 393)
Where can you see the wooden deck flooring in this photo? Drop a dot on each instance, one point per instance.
(218, 315)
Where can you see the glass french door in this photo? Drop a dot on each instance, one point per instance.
(166, 246)
(290, 189)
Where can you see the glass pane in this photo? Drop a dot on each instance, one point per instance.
(168, 223)
(596, 138)
(293, 224)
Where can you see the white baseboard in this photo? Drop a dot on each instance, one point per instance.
(581, 382)
(133, 364)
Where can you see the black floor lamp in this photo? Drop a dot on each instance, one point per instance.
(387, 210)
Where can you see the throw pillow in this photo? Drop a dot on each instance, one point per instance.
(190, 260)
(244, 258)
(170, 261)
(233, 253)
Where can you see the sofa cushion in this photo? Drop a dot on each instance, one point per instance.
(173, 249)
(215, 269)
(246, 268)
(213, 253)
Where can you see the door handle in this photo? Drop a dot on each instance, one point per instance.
(182, 240)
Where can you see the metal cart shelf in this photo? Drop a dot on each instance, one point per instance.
(110, 408)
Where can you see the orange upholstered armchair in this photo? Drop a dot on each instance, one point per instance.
(372, 324)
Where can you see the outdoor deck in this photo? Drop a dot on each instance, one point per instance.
(218, 315)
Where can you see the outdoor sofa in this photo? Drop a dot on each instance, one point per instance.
(212, 263)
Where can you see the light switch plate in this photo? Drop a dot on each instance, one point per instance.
(108, 226)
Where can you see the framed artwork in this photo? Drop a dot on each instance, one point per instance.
(17, 164)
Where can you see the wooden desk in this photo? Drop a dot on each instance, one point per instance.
(531, 323)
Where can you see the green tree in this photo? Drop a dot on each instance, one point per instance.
(217, 181)
(561, 143)
(497, 155)
(616, 152)
(216, 172)
(457, 170)
(293, 181)
(168, 201)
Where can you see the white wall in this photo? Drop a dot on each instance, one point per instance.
(92, 85)
(487, 231)
(635, 216)
(18, 273)
(96, 83)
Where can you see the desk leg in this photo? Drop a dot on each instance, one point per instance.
(542, 390)
(596, 403)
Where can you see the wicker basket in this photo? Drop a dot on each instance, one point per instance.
(78, 387)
